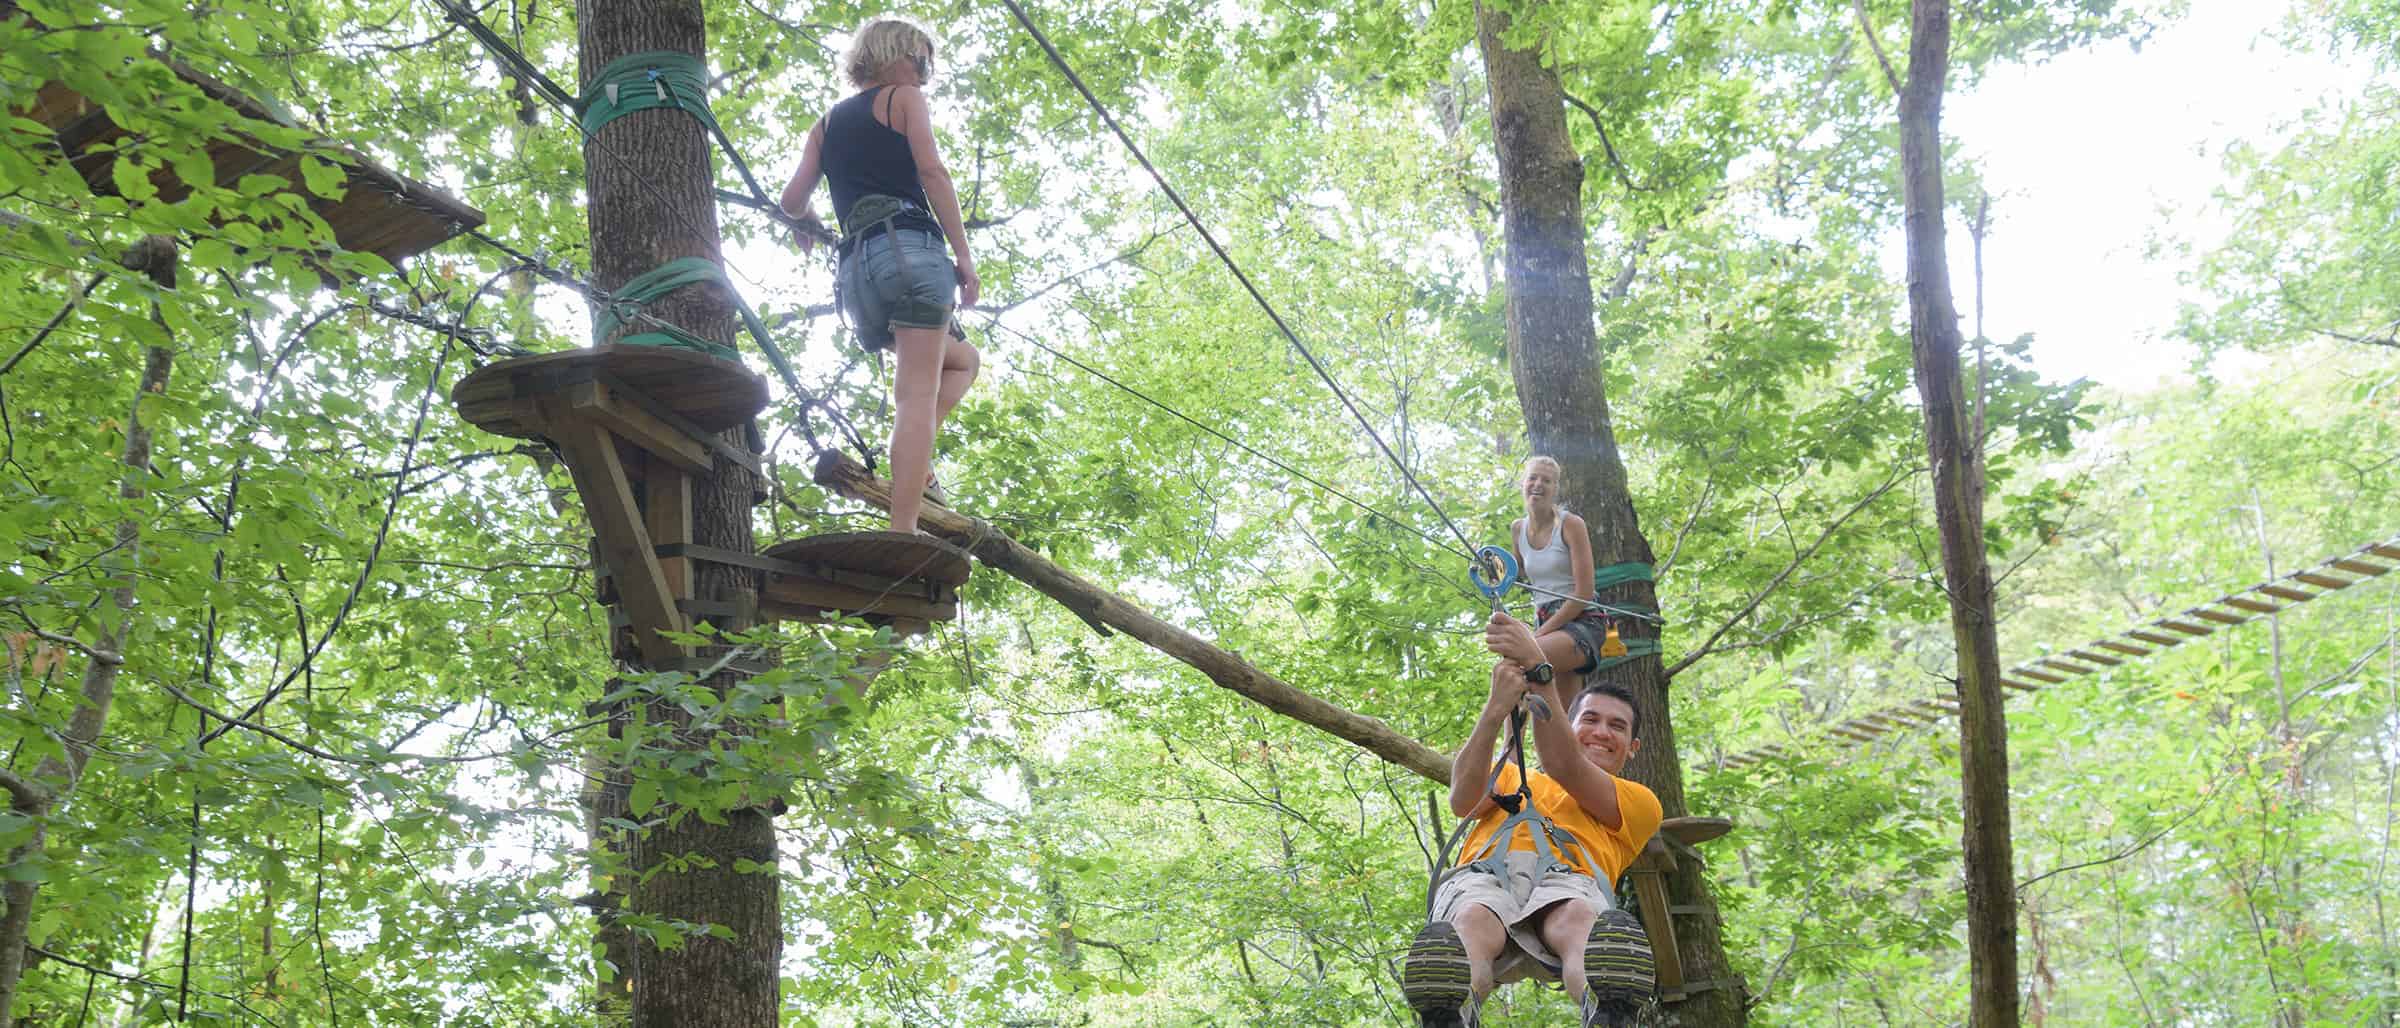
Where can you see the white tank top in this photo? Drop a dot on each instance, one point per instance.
(1551, 569)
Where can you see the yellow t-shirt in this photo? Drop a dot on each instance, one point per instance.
(1614, 849)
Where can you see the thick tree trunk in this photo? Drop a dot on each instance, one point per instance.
(1958, 508)
(652, 200)
(1555, 357)
(55, 777)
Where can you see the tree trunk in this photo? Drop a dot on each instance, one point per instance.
(1958, 508)
(652, 200)
(55, 777)
(1555, 357)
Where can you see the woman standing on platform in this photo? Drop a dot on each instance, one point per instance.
(1554, 553)
(896, 281)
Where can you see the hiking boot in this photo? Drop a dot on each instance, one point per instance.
(1619, 971)
(1435, 979)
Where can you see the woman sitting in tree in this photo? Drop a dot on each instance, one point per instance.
(896, 281)
(1554, 554)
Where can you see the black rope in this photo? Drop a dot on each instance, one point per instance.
(1230, 265)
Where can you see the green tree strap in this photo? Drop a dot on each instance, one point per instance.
(1634, 648)
(1619, 574)
(648, 286)
(641, 82)
(662, 78)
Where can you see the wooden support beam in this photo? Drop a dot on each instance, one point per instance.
(2020, 686)
(2322, 581)
(2088, 656)
(2390, 549)
(637, 426)
(1650, 885)
(1858, 734)
(2149, 636)
(1104, 611)
(2246, 603)
(2358, 567)
(2067, 666)
(667, 512)
(2128, 649)
(2186, 627)
(2038, 676)
(2283, 592)
(591, 457)
(2218, 616)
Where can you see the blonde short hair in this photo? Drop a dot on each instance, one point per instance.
(1556, 471)
(880, 41)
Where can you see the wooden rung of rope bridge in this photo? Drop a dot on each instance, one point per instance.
(634, 425)
(379, 212)
(2272, 597)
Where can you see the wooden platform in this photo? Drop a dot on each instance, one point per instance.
(634, 426)
(380, 212)
(883, 577)
(710, 393)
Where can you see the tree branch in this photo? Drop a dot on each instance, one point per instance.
(1798, 559)
(1867, 28)
(1607, 149)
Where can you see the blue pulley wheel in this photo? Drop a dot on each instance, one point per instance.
(1494, 572)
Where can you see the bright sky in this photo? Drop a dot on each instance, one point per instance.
(2093, 155)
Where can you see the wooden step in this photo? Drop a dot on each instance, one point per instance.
(670, 384)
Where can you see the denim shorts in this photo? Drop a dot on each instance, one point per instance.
(896, 279)
(1589, 630)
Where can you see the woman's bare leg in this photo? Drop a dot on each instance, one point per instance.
(916, 387)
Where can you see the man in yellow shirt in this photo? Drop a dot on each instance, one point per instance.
(1538, 897)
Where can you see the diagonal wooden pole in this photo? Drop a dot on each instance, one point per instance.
(1104, 611)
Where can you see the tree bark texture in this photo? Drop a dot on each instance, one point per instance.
(1958, 509)
(1554, 354)
(652, 200)
(1104, 610)
(156, 258)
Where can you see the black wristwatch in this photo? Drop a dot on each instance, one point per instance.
(1540, 674)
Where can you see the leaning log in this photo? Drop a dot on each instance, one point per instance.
(1104, 610)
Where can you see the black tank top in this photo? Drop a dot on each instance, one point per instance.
(863, 156)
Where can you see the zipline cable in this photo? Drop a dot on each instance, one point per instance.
(1229, 440)
(1231, 265)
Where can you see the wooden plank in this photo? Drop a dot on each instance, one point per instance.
(798, 591)
(2186, 627)
(2391, 549)
(2038, 676)
(636, 426)
(2088, 656)
(2125, 648)
(1855, 734)
(2246, 603)
(591, 457)
(2019, 686)
(667, 512)
(2149, 636)
(2218, 616)
(2358, 567)
(1651, 886)
(2283, 592)
(2068, 666)
(2322, 581)
(881, 553)
(1692, 831)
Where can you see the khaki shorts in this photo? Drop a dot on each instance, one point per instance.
(1528, 891)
